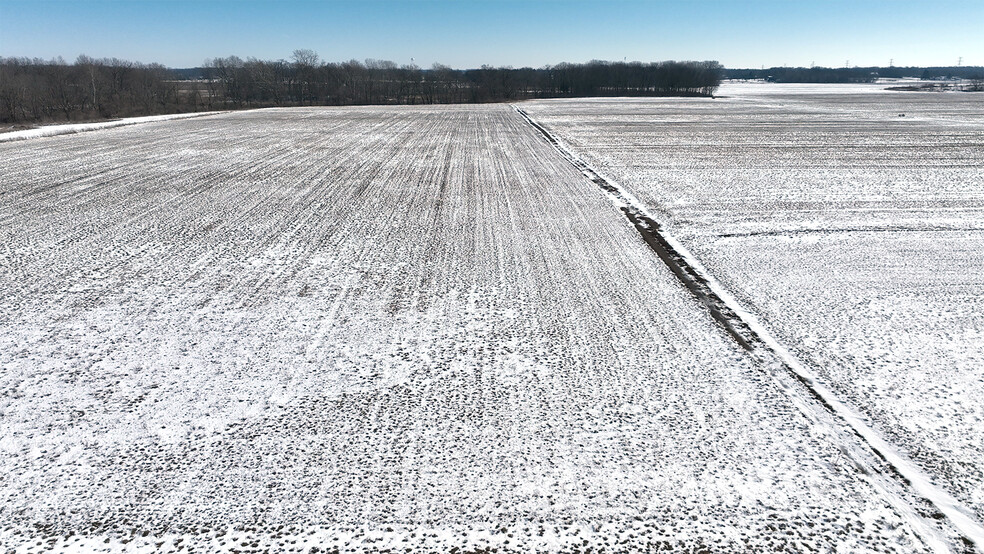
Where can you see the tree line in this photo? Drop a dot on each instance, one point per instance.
(308, 81)
(34, 90)
(853, 74)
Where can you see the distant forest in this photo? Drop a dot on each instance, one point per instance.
(853, 74)
(40, 91)
(35, 91)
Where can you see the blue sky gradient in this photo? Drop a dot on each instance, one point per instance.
(469, 33)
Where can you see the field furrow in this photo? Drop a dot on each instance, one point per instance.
(852, 233)
(378, 328)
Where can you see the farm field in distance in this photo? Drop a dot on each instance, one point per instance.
(388, 328)
(849, 218)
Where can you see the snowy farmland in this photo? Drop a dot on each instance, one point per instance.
(372, 329)
(848, 218)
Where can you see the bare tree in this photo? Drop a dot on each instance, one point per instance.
(39, 90)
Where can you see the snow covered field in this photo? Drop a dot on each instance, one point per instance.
(853, 232)
(71, 128)
(373, 329)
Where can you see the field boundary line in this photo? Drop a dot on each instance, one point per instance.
(748, 331)
(72, 128)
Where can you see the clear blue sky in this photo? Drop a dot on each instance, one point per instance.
(469, 33)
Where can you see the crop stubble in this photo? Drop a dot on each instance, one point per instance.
(848, 218)
(372, 328)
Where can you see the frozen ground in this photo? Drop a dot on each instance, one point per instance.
(70, 128)
(381, 328)
(853, 232)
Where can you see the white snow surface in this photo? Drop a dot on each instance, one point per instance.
(774, 355)
(848, 219)
(70, 128)
(361, 329)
